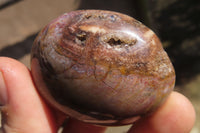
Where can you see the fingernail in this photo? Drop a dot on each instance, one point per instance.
(3, 90)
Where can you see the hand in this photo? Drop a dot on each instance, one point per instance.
(23, 110)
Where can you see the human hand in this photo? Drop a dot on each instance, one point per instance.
(24, 111)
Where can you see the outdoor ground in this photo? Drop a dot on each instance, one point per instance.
(176, 22)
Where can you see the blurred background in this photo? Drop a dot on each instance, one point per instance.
(176, 22)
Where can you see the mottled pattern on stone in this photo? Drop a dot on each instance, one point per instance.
(101, 67)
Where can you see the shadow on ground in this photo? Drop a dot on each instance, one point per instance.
(19, 49)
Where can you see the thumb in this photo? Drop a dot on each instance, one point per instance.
(22, 109)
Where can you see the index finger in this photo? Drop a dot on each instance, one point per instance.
(176, 115)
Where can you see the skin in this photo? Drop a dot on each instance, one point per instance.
(23, 110)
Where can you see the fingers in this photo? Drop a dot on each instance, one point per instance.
(177, 115)
(22, 109)
(75, 126)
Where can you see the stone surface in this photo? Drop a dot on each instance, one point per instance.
(101, 67)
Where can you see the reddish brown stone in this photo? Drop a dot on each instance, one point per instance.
(101, 67)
